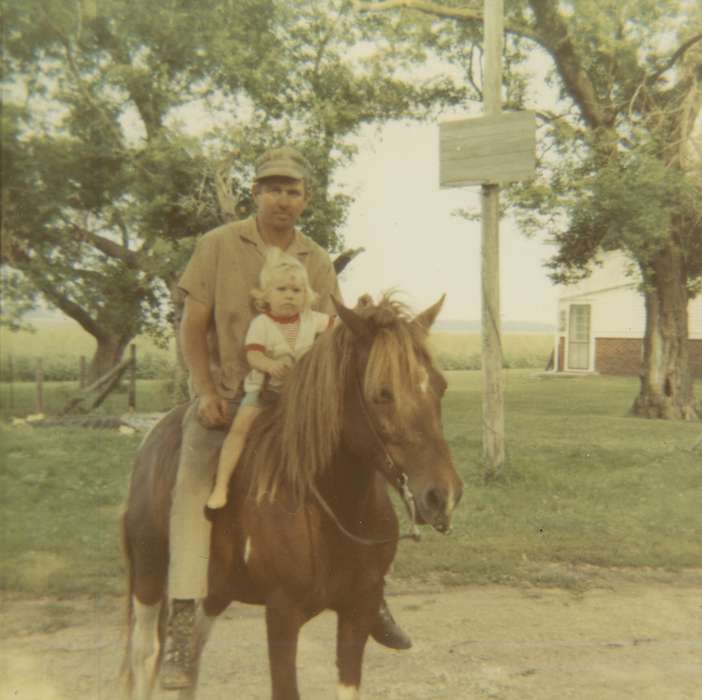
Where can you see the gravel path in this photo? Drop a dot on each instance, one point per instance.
(625, 638)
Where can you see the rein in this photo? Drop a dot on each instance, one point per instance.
(392, 473)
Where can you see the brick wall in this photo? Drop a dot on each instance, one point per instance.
(622, 356)
(695, 355)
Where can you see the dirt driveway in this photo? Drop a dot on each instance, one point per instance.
(626, 637)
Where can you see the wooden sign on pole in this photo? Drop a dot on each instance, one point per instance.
(496, 149)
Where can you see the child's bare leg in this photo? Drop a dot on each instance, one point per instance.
(231, 451)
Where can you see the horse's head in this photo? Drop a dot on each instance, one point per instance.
(394, 410)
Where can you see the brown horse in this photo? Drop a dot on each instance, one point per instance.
(309, 525)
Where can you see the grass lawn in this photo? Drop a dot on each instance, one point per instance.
(584, 484)
(61, 494)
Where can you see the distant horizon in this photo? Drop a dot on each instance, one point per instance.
(450, 325)
(445, 325)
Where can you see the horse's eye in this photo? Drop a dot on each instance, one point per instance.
(384, 396)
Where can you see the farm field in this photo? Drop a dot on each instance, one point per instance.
(49, 338)
(519, 350)
(60, 346)
(576, 574)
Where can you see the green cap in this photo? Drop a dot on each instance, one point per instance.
(285, 161)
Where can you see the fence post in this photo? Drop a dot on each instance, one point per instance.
(132, 378)
(82, 373)
(40, 385)
(11, 389)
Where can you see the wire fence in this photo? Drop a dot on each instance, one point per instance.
(91, 395)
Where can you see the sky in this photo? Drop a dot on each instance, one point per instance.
(416, 244)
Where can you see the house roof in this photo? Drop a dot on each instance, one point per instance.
(611, 270)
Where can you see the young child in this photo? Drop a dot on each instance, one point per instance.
(275, 340)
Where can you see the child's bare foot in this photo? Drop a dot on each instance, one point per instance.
(216, 500)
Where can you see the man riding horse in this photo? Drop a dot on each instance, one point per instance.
(223, 269)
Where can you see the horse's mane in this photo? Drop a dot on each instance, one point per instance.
(295, 440)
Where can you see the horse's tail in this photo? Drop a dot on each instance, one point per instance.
(126, 671)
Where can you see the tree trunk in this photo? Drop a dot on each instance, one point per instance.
(666, 385)
(109, 353)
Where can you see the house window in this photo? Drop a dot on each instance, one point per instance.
(579, 337)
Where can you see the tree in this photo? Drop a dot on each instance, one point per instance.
(92, 172)
(618, 165)
(106, 178)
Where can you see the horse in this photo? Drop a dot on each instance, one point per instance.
(309, 524)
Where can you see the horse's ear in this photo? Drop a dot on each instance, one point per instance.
(351, 319)
(428, 316)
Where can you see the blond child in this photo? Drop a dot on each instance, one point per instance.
(276, 339)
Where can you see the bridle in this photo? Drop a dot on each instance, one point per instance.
(390, 471)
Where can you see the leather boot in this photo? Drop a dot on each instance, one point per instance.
(387, 632)
(178, 666)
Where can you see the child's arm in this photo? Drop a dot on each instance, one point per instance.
(276, 368)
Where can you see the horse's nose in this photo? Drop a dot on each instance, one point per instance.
(436, 503)
(436, 499)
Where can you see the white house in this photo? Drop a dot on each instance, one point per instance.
(601, 323)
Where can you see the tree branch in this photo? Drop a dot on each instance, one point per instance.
(433, 8)
(222, 177)
(684, 120)
(425, 6)
(108, 247)
(471, 75)
(677, 55)
(69, 307)
(555, 38)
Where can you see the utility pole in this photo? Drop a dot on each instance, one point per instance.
(493, 390)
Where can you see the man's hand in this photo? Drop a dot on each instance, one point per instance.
(279, 368)
(212, 411)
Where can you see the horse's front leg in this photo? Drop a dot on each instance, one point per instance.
(283, 622)
(353, 628)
